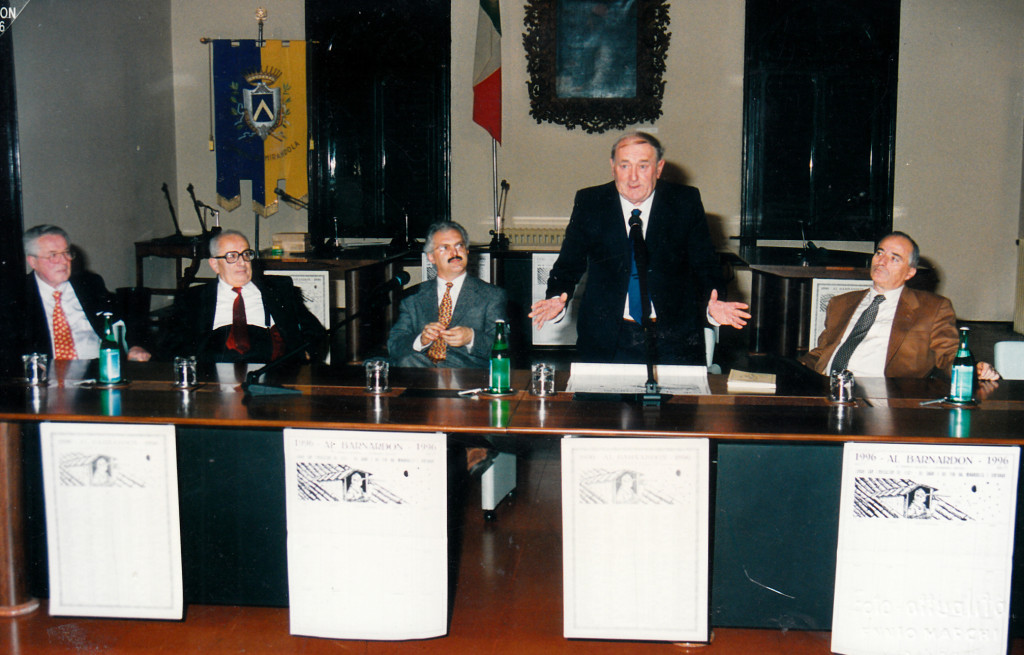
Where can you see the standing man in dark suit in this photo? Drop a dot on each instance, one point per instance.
(461, 336)
(240, 317)
(684, 275)
(907, 333)
(64, 308)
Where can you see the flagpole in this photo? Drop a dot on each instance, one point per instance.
(494, 185)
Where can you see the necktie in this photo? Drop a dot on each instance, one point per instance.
(860, 330)
(439, 349)
(238, 338)
(63, 342)
(636, 234)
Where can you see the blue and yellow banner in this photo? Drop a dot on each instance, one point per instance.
(260, 121)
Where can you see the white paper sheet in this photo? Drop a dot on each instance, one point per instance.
(635, 538)
(631, 378)
(925, 549)
(367, 534)
(113, 534)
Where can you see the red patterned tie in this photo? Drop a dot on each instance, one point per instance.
(238, 338)
(438, 350)
(63, 342)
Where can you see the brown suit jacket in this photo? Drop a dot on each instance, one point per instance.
(923, 337)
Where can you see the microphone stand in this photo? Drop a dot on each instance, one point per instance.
(252, 385)
(499, 241)
(652, 395)
(177, 237)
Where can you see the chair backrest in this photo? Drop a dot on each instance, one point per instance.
(710, 339)
(1009, 359)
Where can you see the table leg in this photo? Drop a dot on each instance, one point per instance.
(14, 597)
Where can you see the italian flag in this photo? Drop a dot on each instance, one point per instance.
(487, 69)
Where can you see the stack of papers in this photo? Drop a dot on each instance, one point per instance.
(745, 381)
(631, 378)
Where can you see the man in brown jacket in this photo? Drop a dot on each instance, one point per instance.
(890, 330)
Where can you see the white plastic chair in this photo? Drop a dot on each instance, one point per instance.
(1009, 359)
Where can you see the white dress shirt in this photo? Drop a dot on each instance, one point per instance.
(868, 359)
(87, 342)
(255, 314)
(442, 286)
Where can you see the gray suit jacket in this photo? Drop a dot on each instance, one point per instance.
(479, 306)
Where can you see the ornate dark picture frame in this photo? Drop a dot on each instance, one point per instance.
(609, 107)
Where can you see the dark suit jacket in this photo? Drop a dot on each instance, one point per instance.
(92, 294)
(191, 324)
(683, 267)
(923, 336)
(479, 306)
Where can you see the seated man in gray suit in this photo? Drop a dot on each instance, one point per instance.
(447, 322)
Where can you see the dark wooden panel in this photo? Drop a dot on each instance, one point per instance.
(379, 115)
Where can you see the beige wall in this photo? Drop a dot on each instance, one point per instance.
(959, 132)
(94, 93)
(958, 146)
(222, 19)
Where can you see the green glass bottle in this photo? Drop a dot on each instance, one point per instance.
(501, 363)
(110, 354)
(961, 389)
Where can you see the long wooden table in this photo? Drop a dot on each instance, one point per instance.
(785, 446)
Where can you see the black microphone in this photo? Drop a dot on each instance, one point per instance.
(394, 284)
(290, 199)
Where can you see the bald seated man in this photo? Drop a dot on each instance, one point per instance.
(241, 316)
(913, 333)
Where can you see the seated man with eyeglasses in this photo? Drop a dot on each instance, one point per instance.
(447, 322)
(240, 317)
(65, 306)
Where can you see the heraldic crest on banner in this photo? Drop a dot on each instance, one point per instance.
(260, 121)
(261, 106)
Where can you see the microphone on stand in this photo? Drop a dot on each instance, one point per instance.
(651, 396)
(378, 296)
(291, 200)
(196, 204)
(394, 284)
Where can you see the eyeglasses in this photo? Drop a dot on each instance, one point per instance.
(232, 257)
(443, 249)
(55, 257)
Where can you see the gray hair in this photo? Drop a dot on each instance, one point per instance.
(215, 239)
(915, 252)
(31, 237)
(444, 226)
(640, 137)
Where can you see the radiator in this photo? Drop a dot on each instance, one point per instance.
(535, 238)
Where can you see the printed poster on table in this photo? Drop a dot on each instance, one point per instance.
(367, 534)
(635, 538)
(560, 331)
(112, 529)
(925, 549)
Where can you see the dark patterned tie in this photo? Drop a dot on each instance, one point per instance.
(238, 338)
(438, 350)
(857, 335)
(636, 234)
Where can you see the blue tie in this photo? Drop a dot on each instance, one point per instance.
(636, 312)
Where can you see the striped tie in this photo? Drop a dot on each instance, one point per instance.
(438, 350)
(860, 330)
(63, 342)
